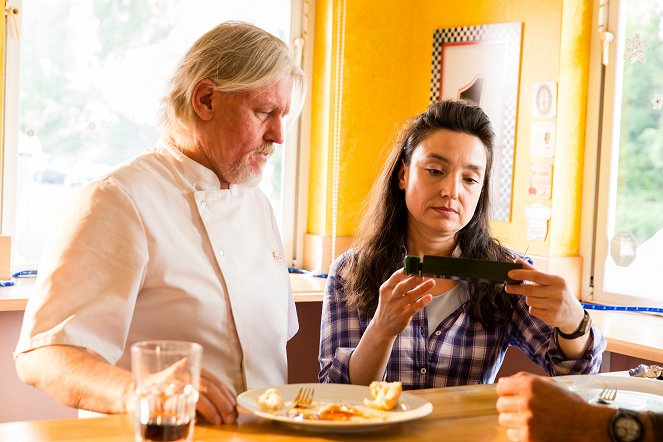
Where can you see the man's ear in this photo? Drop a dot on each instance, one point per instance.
(201, 99)
(402, 178)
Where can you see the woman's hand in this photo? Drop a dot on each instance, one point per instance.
(548, 297)
(401, 296)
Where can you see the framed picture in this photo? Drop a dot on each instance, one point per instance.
(482, 64)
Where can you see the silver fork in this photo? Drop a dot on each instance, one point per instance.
(304, 398)
(607, 395)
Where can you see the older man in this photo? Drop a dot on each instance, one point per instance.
(178, 243)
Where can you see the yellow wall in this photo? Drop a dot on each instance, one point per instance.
(571, 123)
(387, 67)
(319, 185)
(375, 60)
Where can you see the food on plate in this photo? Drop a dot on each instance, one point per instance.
(384, 395)
(339, 412)
(335, 411)
(271, 400)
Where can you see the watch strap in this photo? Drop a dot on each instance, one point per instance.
(582, 329)
(656, 419)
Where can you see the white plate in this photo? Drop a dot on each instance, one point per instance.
(633, 393)
(409, 408)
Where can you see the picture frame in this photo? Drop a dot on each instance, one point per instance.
(482, 64)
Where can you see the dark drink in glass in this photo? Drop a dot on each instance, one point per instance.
(164, 429)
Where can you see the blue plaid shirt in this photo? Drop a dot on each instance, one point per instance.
(458, 352)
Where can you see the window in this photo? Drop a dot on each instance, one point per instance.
(629, 204)
(84, 82)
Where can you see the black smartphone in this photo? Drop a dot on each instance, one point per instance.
(460, 268)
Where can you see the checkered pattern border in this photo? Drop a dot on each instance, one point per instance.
(502, 179)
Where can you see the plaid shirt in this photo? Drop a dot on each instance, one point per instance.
(458, 352)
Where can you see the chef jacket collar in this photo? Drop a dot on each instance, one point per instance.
(201, 177)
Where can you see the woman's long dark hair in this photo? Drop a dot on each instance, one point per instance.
(379, 246)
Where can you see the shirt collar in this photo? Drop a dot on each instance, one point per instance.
(200, 176)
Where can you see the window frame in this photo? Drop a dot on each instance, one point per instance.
(297, 158)
(603, 117)
(296, 151)
(9, 157)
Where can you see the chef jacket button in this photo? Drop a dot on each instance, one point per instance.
(438, 333)
(221, 252)
(423, 370)
(203, 203)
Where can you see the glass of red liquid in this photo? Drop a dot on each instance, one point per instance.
(166, 375)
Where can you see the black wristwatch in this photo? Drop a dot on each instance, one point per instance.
(583, 328)
(626, 426)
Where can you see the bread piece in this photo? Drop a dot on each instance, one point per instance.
(384, 395)
(271, 400)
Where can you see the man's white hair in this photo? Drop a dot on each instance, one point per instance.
(236, 56)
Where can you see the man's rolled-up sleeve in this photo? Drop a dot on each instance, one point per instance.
(90, 276)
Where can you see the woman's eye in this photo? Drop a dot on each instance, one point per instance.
(471, 181)
(434, 172)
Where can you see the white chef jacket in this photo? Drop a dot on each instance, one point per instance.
(156, 250)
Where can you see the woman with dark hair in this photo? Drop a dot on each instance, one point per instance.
(432, 198)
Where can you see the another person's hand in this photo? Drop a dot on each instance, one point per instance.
(216, 404)
(548, 297)
(535, 408)
(401, 296)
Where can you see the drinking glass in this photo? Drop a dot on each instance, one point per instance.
(166, 376)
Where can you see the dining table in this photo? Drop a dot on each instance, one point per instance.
(465, 413)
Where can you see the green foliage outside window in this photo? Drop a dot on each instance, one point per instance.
(640, 177)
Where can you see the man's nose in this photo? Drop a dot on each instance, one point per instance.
(275, 131)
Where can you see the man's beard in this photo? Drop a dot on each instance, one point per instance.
(250, 174)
